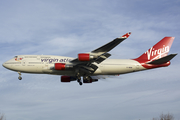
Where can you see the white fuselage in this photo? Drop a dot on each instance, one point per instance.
(44, 64)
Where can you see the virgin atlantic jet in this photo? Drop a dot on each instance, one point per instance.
(93, 65)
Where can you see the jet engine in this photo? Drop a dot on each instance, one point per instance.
(67, 78)
(59, 66)
(62, 66)
(85, 57)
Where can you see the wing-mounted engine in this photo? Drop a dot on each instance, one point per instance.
(85, 57)
(98, 58)
(62, 66)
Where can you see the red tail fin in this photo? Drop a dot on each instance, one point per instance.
(159, 50)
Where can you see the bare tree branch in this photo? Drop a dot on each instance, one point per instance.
(2, 117)
(166, 116)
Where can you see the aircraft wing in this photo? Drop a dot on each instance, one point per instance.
(109, 46)
(84, 62)
(101, 53)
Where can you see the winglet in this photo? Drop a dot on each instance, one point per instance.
(126, 35)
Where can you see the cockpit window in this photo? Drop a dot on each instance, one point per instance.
(16, 57)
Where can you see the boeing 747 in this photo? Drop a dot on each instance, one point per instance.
(93, 65)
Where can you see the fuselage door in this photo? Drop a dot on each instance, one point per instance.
(45, 65)
(137, 67)
(23, 63)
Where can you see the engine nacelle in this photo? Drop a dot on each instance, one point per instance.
(62, 66)
(90, 81)
(67, 78)
(59, 66)
(85, 57)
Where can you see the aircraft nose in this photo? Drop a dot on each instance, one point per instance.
(7, 65)
(4, 65)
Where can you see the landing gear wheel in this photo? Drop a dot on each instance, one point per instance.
(80, 83)
(78, 77)
(20, 78)
(79, 80)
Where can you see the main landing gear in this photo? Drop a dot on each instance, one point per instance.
(20, 78)
(79, 79)
(85, 78)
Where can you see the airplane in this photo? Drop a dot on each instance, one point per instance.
(93, 65)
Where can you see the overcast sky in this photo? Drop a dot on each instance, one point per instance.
(67, 27)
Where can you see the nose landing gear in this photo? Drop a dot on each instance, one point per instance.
(20, 78)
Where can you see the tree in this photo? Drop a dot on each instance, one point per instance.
(155, 119)
(166, 117)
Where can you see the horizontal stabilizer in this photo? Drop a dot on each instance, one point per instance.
(162, 60)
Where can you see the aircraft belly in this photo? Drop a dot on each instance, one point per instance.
(63, 72)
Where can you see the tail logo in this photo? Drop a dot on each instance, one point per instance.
(157, 53)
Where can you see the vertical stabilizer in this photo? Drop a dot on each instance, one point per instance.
(159, 50)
